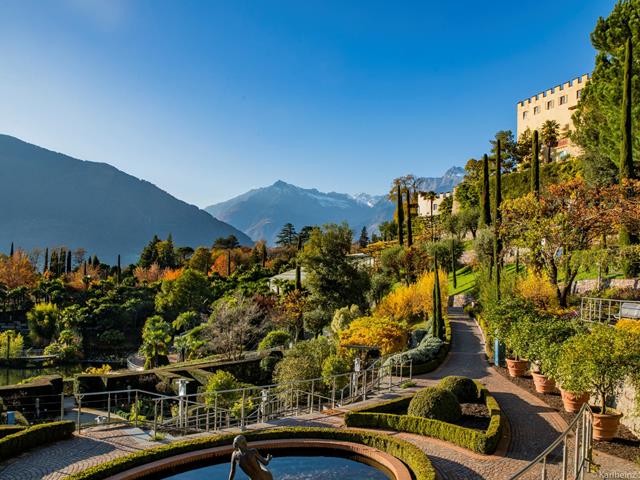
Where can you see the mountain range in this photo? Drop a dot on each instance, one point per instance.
(261, 212)
(53, 200)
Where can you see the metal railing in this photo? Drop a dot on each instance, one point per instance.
(238, 408)
(577, 439)
(602, 310)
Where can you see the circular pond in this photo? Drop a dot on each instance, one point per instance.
(295, 468)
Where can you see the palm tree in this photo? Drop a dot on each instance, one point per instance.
(156, 336)
(550, 133)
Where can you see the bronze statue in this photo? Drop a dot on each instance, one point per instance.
(250, 461)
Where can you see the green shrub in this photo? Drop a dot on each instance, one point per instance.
(35, 436)
(275, 338)
(436, 404)
(408, 453)
(391, 415)
(6, 430)
(463, 388)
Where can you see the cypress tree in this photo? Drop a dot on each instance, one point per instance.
(263, 251)
(298, 278)
(453, 263)
(626, 148)
(486, 193)
(84, 269)
(438, 325)
(68, 261)
(11, 251)
(497, 216)
(535, 164)
(400, 217)
(228, 262)
(409, 232)
(45, 268)
(118, 270)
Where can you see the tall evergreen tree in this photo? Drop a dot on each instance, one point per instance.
(68, 269)
(438, 323)
(263, 253)
(287, 236)
(363, 241)
(118, 270)
(453, 262)
(45, 267)
(11, 251)
(400, 216)
(409, 230)
(535, 164)
(486, 192)
(626, 146)
(497, 217)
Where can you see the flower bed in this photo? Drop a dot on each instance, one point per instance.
(392, 416)
(411, 455)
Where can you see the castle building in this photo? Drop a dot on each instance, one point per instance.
(424, 203)
(557, 103)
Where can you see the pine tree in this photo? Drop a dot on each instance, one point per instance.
(364, 238)
(400, 217)
(287, 236)
(45, 268)
(486, 192)
(535, 165)
(497, 216)
(409, 231)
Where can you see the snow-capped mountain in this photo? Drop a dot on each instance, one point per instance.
(261, 212)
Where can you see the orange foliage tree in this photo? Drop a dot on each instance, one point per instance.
(388, 335)
(17, 271)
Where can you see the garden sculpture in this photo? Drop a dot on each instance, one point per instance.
(251, 462)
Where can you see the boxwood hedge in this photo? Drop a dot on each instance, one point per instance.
(408, 453)
(35, 436)
(388, 416)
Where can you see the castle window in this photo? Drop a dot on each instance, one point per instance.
(524, 114)
(564, 99)
(549, 104)
(536, 110)
(579, 93)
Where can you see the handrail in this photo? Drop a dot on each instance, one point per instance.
(582, 423)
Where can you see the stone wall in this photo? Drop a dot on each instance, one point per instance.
(582, 287)
(627, 403)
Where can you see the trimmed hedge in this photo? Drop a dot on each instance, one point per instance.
(431, 365)
(410, 454)
(475, 440)
(35, 436)
(463, 388)
(435, 403)
(6, 430)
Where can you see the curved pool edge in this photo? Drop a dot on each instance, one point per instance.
(394, 466)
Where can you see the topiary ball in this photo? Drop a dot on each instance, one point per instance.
(463, 388)
(435, 403)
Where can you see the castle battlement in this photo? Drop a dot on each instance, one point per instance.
(574, 84)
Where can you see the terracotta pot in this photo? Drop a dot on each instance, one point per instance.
(543, 383)
(605, 426)
(573, 401)
(517, 368)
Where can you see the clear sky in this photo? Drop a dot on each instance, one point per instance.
(208, 99)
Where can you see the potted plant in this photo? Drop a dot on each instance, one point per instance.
(548, 335)
(517, 342)
(597, 361)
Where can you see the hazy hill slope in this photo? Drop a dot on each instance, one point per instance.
(51, 199)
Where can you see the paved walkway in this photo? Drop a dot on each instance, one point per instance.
(532, 425)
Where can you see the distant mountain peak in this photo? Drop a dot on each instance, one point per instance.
(262, 212)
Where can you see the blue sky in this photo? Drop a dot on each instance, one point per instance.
(208, 99)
